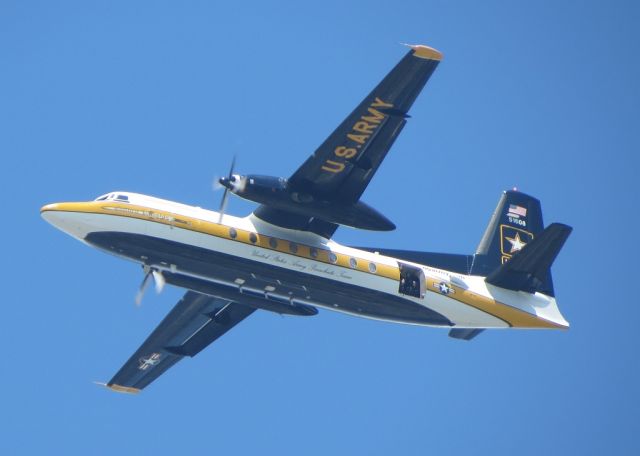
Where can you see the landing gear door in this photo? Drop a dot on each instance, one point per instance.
(412, 281)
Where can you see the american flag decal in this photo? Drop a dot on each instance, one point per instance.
(517, 210)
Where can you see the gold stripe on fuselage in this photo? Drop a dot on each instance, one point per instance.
(511, 315)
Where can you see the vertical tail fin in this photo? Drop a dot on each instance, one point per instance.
(516, 221)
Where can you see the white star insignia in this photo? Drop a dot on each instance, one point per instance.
(516, 243)
(444, 288)
(152, 360)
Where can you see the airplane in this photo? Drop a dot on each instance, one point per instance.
(281, 258)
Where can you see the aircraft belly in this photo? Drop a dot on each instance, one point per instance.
(219, 260)
(225, 261)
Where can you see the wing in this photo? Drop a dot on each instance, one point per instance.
(346, 161)
(195, 322)
(341, 168)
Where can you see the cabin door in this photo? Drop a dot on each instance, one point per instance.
(412, 281)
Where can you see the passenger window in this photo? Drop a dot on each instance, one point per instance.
(273, 243)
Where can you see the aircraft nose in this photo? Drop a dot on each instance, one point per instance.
(52, 214)
(48, 207)
(67, 221)
(48, 212)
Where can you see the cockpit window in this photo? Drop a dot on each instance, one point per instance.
(113, 197)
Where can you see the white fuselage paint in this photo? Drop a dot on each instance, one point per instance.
(80, 224)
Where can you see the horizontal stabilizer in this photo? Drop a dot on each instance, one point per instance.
(528, 269)
(465, 333)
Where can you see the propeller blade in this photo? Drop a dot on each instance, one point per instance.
(159, 280)
(225, 195)
(223, 204)
(143, 288)
(233, 165)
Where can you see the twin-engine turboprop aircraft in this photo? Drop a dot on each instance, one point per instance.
(281, 258)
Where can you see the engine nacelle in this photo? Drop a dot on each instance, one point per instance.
(275, 192)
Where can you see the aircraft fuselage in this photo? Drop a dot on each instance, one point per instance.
(289, 271)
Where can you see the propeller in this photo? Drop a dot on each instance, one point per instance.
(216, 185)
(158, 279)
(230, 178)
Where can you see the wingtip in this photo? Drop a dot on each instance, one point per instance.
(119, 388)
(425, 52)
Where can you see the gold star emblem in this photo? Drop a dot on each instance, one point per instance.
(516, 243)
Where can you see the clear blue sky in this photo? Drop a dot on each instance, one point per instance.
(156, 96)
